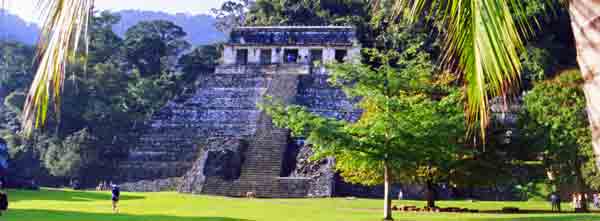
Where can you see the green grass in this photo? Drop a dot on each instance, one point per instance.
(64, 205)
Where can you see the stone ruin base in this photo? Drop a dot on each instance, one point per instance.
(218, 171)
(162, 185)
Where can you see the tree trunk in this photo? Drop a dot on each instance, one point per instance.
(387, 205)
(580, 184)
(585, 20)
(430, 194)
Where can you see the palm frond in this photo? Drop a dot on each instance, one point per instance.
(65, 23)
(483, 41)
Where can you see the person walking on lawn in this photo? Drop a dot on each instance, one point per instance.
(116, 193)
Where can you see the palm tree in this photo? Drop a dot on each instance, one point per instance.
(585, 21)
(484, 39)
(65, 24)
(483, 42)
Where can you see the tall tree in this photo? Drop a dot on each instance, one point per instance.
(404, 128)
(203, 59)
(103, 41)
(231, 14)
(557, 107)
(153, 45)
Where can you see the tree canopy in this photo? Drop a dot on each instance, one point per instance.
(411, 121)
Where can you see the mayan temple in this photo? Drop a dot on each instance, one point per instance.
(218, 142)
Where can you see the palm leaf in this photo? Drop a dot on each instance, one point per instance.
(65, 24)
(483, 42)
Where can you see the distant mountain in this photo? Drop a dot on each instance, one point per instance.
(14, 28)
(199, 28)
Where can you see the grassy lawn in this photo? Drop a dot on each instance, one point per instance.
(64, 205)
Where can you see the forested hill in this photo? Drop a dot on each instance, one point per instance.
(200, 28)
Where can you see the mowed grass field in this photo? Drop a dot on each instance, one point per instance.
(66, 205)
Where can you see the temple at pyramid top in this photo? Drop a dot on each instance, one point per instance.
(291, 45)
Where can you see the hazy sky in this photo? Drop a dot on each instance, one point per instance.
(26, 8)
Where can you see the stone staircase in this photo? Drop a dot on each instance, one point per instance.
(223, 106)
(262, 168)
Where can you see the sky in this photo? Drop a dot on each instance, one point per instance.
(27, 8)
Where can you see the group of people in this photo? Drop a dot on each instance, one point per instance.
(579, 201)
(104, 186)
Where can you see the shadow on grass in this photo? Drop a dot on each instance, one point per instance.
(50, 215)
(64, 195)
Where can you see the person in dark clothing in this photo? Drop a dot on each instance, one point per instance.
(558, 202)
(555, 200)
(3, 202)
(116, 193)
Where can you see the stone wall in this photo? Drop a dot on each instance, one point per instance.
(295, 35)
(320, 174)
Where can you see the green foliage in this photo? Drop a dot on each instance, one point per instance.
(537, 63)
(302, 12)
(558, 108)
(483, 41)
(312, 12)
(15, 66)
(69, 157)
(105, 96)
(402, 125)
(533, 191)
(25, 155)
(153, 46)
(203, 60)
(147, 95)
(103, 41)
